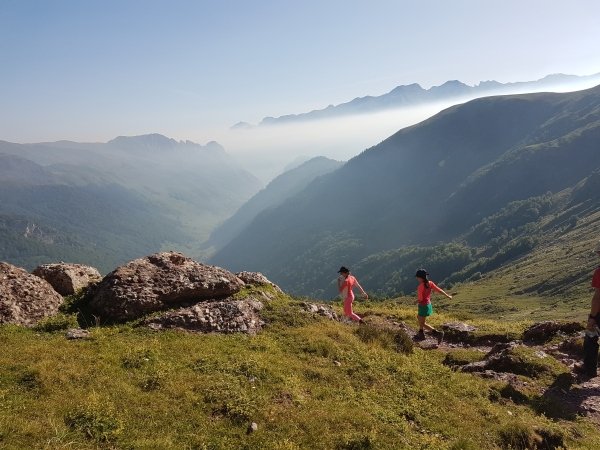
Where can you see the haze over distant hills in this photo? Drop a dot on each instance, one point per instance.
(104, 203)
(415, 95)
(453, 178)
(277, 191)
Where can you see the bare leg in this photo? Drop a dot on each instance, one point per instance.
(423, 325)
(348, 312)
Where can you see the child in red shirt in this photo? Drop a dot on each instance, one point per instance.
(590, 341)
(424, 290)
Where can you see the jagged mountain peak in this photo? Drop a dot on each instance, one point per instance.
(154, 140)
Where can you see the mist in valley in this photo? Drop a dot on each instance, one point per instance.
(266, 150)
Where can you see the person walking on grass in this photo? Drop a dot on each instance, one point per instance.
(424, 290)
(590, 340)
(346, 283)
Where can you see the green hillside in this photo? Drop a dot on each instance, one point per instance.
(306, 382)
(106, 203)
(283, 187)
(485, 179)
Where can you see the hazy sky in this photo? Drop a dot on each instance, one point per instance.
(90, 70)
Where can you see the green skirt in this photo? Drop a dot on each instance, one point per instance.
(425, 310)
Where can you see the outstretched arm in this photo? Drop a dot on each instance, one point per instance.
(362, 290)
(436, 288)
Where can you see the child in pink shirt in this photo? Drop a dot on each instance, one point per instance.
(346, 283)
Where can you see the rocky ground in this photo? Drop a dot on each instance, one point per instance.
(575, 394)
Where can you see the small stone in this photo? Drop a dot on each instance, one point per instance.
(252, 428)
(337, 363)
(77, 333)
(320, 310)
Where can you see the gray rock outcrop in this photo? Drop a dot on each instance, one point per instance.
(320, 310)
(159, 282)
(544, 331)
(458, 331)
(77, 333)
(24, 298)
(67, 279)
(227, 316)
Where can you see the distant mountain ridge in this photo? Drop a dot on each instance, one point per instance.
(415, 95)
(429, 183)
(105, 203)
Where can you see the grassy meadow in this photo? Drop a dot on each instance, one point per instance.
(305, 381)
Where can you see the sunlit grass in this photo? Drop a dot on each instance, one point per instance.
(311, 384)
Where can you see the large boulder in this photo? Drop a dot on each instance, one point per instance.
(517, 359)
(157, 282)
(228, 316)
(67, 279)
(24, 298)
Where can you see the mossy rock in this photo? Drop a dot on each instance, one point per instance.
(463, 356)
(522, 360)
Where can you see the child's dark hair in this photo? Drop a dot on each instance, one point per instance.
(422, 273)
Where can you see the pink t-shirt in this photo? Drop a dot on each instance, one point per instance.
(424, 294)
(348, 284)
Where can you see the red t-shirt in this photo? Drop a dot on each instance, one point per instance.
(348, 285)
(596, 279)
(424, 294)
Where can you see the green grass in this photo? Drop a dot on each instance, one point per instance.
(307, 383)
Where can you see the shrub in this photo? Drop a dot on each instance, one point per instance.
(231, 400)
(552, 439)
(21, 377)
(58, 322)
(463, 444)
(152, 382)
(512, 393)
(137, 359)
(518, 436)
(323, 348)
(289, 315)
(94, 422)
(29, 380)
(78, 305)
(476, 276)
(386, 338)
(360, 443)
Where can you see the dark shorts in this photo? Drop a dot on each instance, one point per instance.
(425, 310)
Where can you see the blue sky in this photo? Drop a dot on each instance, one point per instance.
(90, 70)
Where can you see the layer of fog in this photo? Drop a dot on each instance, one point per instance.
(266, 150)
